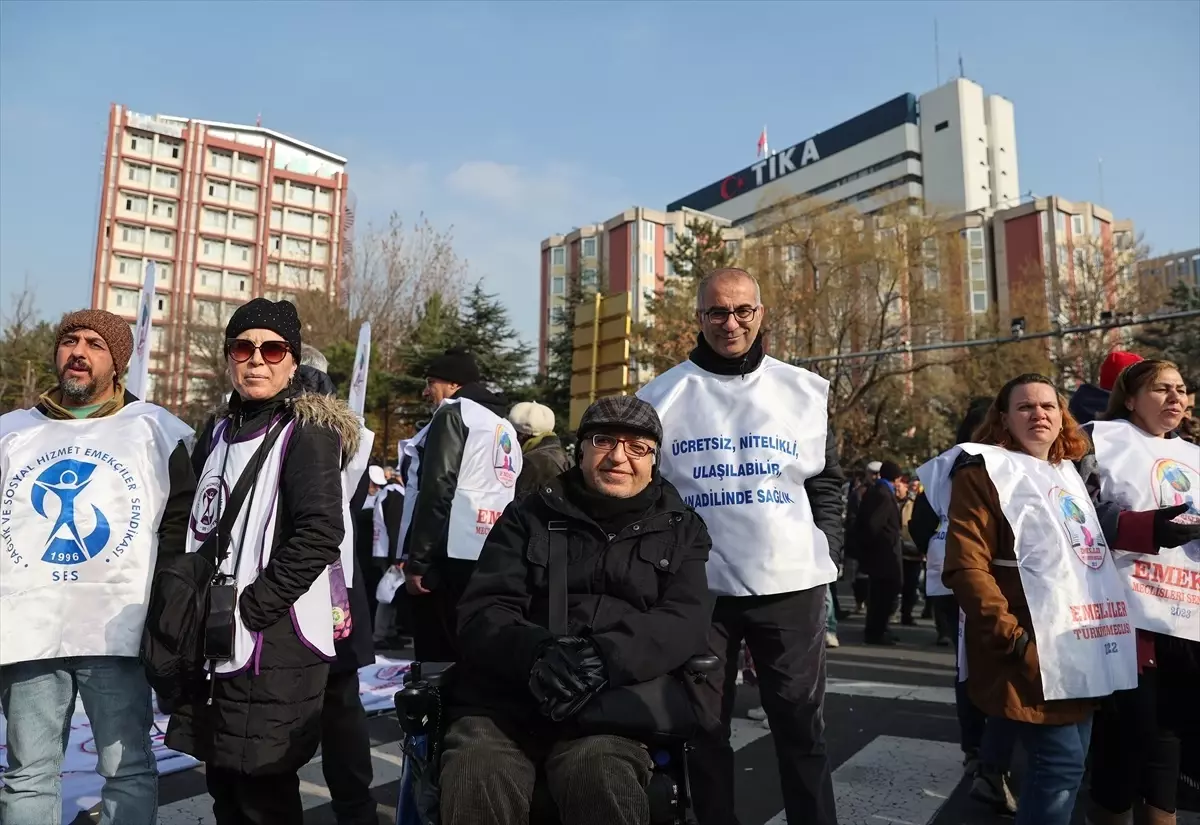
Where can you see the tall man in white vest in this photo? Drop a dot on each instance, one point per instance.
(463, 473)
(746, 440)
(97, 489)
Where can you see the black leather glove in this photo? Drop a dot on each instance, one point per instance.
(591, 669)
(1168, 533)
(553, 676)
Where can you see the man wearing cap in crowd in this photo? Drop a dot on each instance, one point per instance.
(877, 533)
(748, 444)
(1089, 401)
(463, 472)
(542, 453)
(98, 489)
(637, 607)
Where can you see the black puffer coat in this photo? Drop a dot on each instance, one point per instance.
(267, 719)
(641, 595)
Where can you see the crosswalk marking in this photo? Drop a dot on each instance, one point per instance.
(888, 690)
(894, 781)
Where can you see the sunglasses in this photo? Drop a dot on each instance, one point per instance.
(241, 350)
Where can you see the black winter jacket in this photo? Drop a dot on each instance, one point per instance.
(641, 595)
(441, 456)
(540, 463)
(393, 514)
(266, 720)
(877, 532)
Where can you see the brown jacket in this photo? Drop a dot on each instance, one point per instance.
(994, 602)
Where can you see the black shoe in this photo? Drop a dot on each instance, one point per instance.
(886, 640)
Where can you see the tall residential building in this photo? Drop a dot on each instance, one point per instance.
(227, 213)
(626, 253)
(1037, 248)
(953, 149)
(1167, 271)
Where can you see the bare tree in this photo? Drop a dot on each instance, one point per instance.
(1089, 283)
(395, 270)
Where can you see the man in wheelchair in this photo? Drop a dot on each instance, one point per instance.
(589, 597)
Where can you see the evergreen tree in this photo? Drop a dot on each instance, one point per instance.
(436, 330)
(555, 385)
(484, 329)
(1178, 340)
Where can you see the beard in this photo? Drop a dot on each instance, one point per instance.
(77, 391)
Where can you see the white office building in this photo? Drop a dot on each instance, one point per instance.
(953, 149)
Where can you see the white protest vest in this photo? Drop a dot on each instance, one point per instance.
(1081, 623)
(935, 476)
(739, 449)
(380, 543)
(82, 501)
(1140, 472)
(487, 476)
(311, 614)
(410, 447)
(351, 476)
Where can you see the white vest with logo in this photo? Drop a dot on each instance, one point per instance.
(487, 477)
(351, 476)
(380, 546)
(311, 614)
(1081, 622)
(935, 477)
(1140, 472)
(82, 502)
(739, 449)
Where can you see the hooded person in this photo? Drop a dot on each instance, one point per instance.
(462, 473)
(98, 486)
(542, 451)
(257, 718)
(1089, 401)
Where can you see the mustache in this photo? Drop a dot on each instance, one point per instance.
(77, 364)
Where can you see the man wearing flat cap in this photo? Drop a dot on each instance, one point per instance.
(98, 489)
(541, 667)
(462, 474)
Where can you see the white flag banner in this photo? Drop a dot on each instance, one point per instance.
(139, 363)
(362, 362)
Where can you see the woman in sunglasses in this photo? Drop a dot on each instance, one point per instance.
(268, 508)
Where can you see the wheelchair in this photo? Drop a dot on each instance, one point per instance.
(421, 713)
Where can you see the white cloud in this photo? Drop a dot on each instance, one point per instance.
(500, 212)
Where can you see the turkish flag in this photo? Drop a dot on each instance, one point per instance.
(762, 143)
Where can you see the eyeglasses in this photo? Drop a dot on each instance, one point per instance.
(719, 315)
(241, 350)
(633, 449)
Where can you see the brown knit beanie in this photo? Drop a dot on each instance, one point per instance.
(112, 328)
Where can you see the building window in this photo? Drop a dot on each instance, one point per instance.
(160, 239)
(670, 269)
(245, 194)
(589, 247)
(220, 161)
(135, 141)
(135, 204)
(558, 256)
(241, 252)
(1060, 221)
(647, 232)
(163, 209)
(669, 235)
(1077, 225)
(734, 247)
(218, 190)
(558, 285)
(138, 173)
(588, 279)
(1097, 227)
(167, 148)
(165, 179)
(324, 198)
(647, 263)
(214, 219)
(247, 166)
(241, 284)
(133, 234)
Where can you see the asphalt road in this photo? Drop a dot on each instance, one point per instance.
(891, 730)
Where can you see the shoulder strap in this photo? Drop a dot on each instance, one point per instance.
(557, 571)
(240, 490)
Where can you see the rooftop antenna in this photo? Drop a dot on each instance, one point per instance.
(937, 55)
(961, 73)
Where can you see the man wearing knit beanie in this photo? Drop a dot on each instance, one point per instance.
(1090, 400)
(463, 470)
(92, 350)
(100, 489)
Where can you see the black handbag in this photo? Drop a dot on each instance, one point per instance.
(660, 706)
(190, 615)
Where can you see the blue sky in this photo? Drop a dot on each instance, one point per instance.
(512, 121)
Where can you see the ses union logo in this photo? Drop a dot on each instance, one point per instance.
(82, 508)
